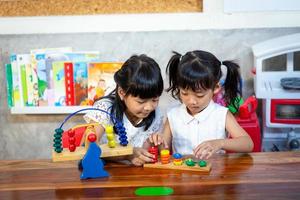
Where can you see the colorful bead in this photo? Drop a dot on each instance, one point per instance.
(202, 163)
(189, 162)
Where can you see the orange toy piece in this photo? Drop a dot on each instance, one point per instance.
(165, 156)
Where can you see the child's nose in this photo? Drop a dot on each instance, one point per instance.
(192, 101)
(149, 106)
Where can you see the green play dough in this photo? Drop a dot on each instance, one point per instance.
(154, 191)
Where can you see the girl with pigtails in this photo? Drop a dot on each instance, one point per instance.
(198, 125)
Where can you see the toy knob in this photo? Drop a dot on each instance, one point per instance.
(92, 137)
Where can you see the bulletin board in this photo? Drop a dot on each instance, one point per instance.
(11, 8)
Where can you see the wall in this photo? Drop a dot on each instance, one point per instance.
(30, 136)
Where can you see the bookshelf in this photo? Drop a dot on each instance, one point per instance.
(47, 109)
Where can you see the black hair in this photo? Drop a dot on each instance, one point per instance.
(198, 70)
(139, 76)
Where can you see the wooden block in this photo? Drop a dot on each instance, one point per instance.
(170, 165)
(78, 154)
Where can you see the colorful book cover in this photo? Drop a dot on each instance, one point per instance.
(69, 83)
(101, 79)
(44, 71)
(50, 59)
(80, 83)
(85, 56)
(31, 81)
(38, 63)
(18, 98)
(9, 85)
(23, 60)
(59, 83)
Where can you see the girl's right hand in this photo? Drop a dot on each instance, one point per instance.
(157, 139)
(141, 156)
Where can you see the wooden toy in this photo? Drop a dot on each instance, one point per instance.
(66, 155)
(177, 163)
(92, 166)
(184, 166)
(164, 156)
(75, 152)
(154, 151)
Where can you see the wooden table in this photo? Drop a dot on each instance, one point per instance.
(233, 176)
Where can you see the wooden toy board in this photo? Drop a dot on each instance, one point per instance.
(170, 165)
(80, 152)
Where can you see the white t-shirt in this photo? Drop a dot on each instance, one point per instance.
(136, 135)
(190, 131)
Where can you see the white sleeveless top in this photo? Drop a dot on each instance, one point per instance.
(136, 135)
(190, 131)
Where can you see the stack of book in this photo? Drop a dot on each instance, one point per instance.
(58, 77)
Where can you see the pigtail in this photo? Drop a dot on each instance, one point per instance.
(232, 85)
(171, 69)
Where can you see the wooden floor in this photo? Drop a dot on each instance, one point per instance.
(233, 176)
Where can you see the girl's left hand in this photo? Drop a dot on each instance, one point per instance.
(206, 149)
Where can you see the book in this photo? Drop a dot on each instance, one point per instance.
(59, 83)
(101, 79)
(69, 84)
(38, 63)
(18, 98)
(23, 60)
(9, 85)
(84, 56)
(80, 83)
(42, 62)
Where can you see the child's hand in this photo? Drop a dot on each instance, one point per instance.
(157, 139)
(206, 149)
(140, 156)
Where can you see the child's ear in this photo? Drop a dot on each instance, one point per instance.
(218, 88)
(121, 93)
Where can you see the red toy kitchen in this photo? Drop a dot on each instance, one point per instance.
(277, 84)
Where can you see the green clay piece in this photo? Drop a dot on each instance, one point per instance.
(189, 162)
(202, 163)
(154, 191)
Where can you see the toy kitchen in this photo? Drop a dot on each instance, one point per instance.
(277, 83)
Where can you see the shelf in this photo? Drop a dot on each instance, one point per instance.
(47, 110)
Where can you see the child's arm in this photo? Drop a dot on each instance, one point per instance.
(99, 133)
(240, 141)
(164, 139)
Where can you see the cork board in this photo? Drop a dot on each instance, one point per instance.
(9, 8)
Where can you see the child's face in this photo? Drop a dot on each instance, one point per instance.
(140, 108)
(195, 101)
